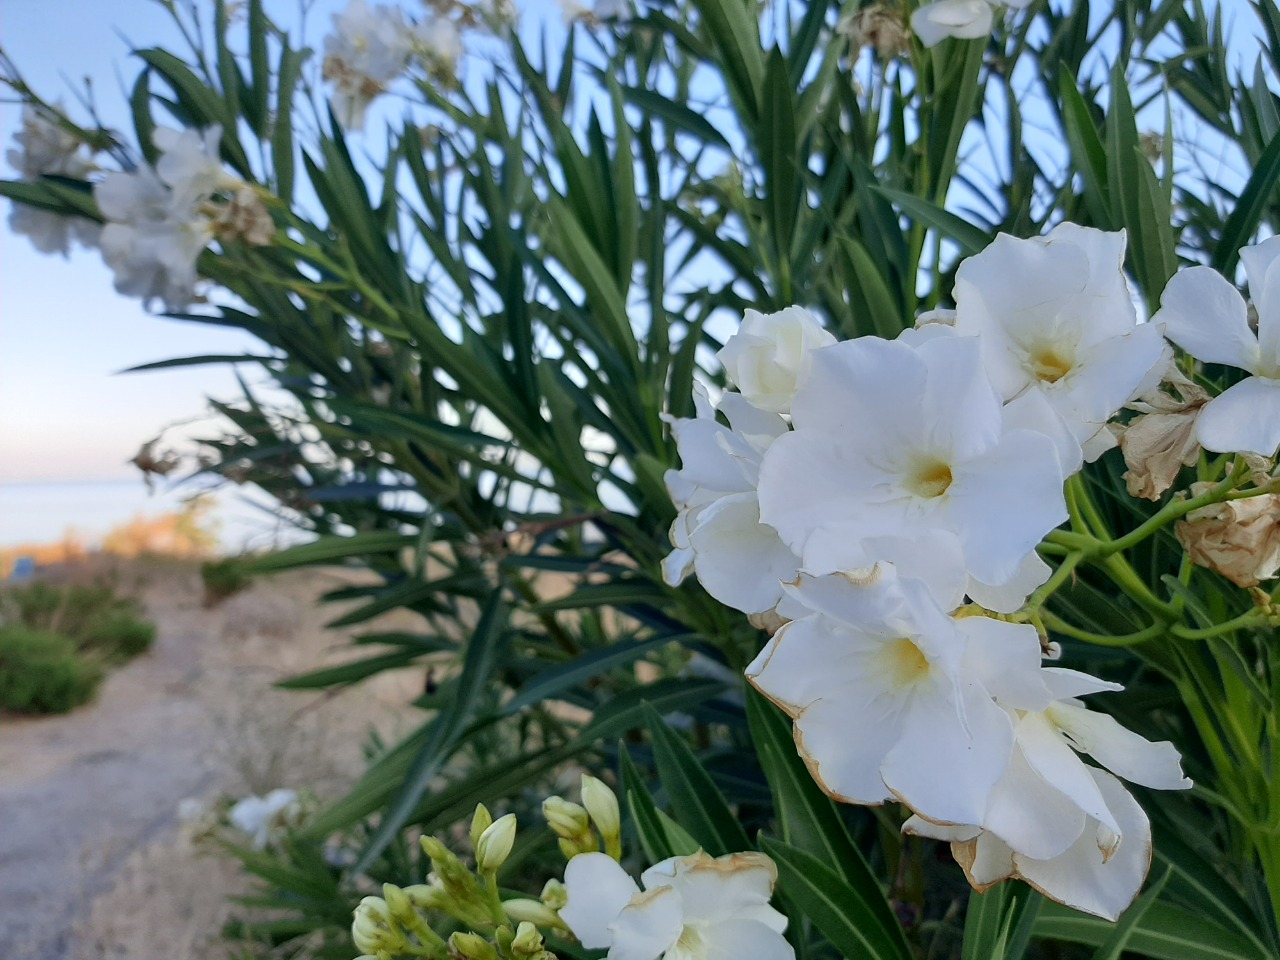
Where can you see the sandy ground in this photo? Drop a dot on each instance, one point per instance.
(93, 864)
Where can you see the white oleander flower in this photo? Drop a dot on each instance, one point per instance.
(1206, 316)
(1054, 316)
(189, 163)
(43, 148)
(962, 19)
(368, 49)
(262, 818)
(908, 445)
(717, 532)
(152, 238)
(437, 41)
(1081, 877)
(692, 908)
(767, 354)
(876, 655)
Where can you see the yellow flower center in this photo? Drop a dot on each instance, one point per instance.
(1048, 365)
(931, 480)
(905, 661)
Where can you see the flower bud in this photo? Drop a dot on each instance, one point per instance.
(427, 896)
(480, 822)
(470, 946)
(602, 805)
(371, 926)
(555, 894)
(398, 904)
(533, 911)
(495, 844)
(569, 821)
(527, 944)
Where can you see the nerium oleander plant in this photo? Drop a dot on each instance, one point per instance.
(874, 360)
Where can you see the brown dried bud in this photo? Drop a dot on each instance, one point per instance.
(1162, 441)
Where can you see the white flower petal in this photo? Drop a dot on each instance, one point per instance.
(1081, 878)
(598, 890)
(648, 926)
(739, 939)
(1010, 595)
(1245, 418)
(713, 889)
(1123, 752)
(964, 19)
(1064, 683)
(1206, 316)
(1031, 410)
(1048, 754)
(739, 560)
(1005, 658)
(1030, 815)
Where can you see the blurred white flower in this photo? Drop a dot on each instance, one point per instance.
(1206, 316)
(717, 531)
(692, 908)
(901, 453)
(1054, 316)
(437, 41)
(264, 818)
(962, 19)
(44, 147)
(877, 655)
(367, 50)
(767, 354)
(189, 163)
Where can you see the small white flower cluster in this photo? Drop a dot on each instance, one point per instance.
(962, 19)
(692, 908)
(264, 819)
(46, 148)
(160, 219)
(371, 47)
(860, 490)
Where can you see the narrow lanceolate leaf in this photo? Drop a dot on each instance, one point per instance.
(660, 836)
(834, 907)
(331, 550)
(562, 677)
(971, 239)
(998, 923)
(696, 802)
(809, 820)
(1164, 932)
(1250, 206)
(483, 654)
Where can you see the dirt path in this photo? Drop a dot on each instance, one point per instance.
(92, 863)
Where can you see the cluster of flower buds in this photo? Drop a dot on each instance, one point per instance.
(853, 496)
(572, 823)
(395, 924)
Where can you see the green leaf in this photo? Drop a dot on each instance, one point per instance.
(735, 34)
(998, 923)
(675, 115)
(330, 550)
(1164, 932)
(698, 804)
(842, 915)
(1249, 208)
(971, 239)
(778, 157)
(443, 733)
(348, 673)
(548, 683)
(660, 836)
(1088, 155)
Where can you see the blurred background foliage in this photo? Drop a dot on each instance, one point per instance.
(474, 320)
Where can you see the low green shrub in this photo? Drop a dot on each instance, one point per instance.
(92, 616)
(222, 579)
(41, 671)
(119, 634)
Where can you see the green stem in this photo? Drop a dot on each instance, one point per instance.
(1058, 625)
(1249, 618)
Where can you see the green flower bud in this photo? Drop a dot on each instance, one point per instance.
(566, 818)
(527, 942)
(480, 822)
(371, 926)
(495, 844)
(534, 911)
(602, 805)
(398, 903)
(427, 896)
(470, 946)
(555, 894)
